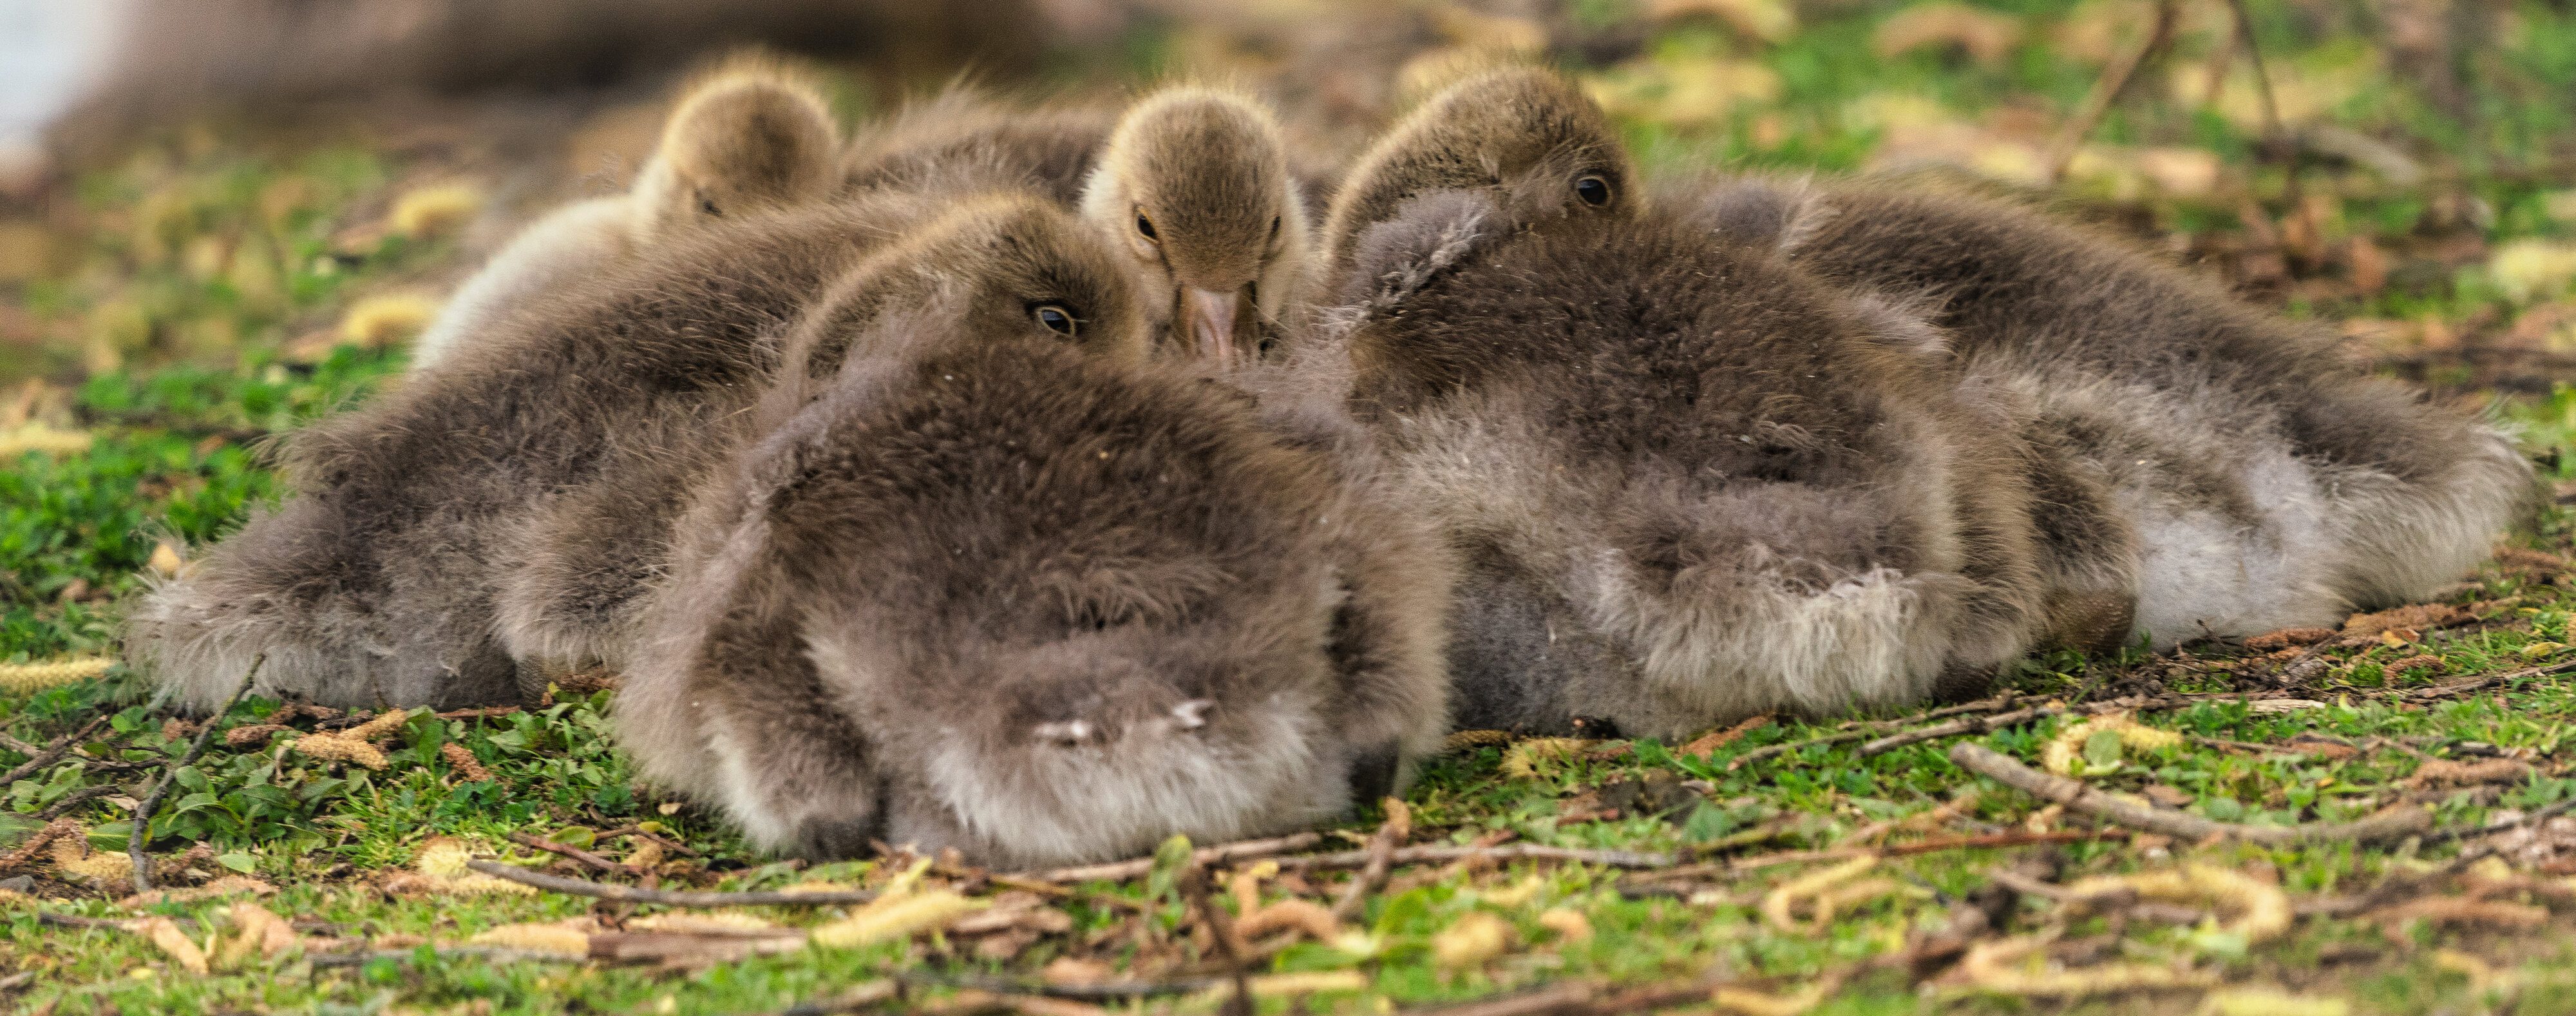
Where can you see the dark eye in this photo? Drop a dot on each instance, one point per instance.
(1274, 227)
(1145, 224)
(1594, 190)
(1055, 318)
(708, 205)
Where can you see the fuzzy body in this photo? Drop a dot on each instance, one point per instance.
(747, 137)
(1039, 606)
(2268, 481)
(375, 582)
(1687, 483)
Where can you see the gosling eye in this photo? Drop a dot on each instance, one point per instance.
(1055, 318)
(1594, 190)
(1274, 227)
(1145, 224)
(708, 205)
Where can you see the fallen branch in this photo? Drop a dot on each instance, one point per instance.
(52, 752)
(1120, 871)
(1107, 991)
(1570, 997)
(1970, 725)
(1349, 859)
(668, 897)
(2106, 90)
(2396, 823)
(486, 953)
(2458, 688)
(2535, 817)
(134, 841)
(594, 861)
(1381, 855)
(1978, 842)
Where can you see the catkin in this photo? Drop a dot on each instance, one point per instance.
(28, 678)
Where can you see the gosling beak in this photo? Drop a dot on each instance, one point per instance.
(1213, 318)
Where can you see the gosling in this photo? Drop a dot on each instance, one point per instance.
(748, 137)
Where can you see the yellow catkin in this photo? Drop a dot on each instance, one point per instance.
(76, 862)
(378, 727)
(379, 321)
(2063, 750)
(1569, 925)
(1779, 905)
(1999, 967)
(1748, 1002)
(2270, 1002)
(901, 917)
(165, 561)
(718, 923)
(2262, 909)
(165, 933)
(436, 209)
(552, 939)
(1523, 759)
(442, 861)
(335, 748)
(36, 437)
(1470, 941)
(29, 678)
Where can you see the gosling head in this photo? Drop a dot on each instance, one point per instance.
(1527, 135)
(748, 137)
(1194, 182)
(993, 265)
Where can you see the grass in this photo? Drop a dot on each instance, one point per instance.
(192, 316)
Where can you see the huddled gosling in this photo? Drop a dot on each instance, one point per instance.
(1039, 605)
(1193, 180)
(2269, 481)
(380, 580)
(1689, 483)
(748, 137)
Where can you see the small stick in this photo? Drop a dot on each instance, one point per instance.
(1767, 751)
(73, 800)
(493, 954)
(2529, 819)
(576, 853)
(1513, 852)
(667, 897)
(2106, 90)
(2393, 824)
(1970, 725)
(1111, 991)
(51, 753)
(37, 842)
(1978, 842)
(1381, 855)
(1223, 853)
(1570, 997)
(1194, 885)
(667, 843)
(152, 803)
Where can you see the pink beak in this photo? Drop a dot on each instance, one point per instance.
(1212, 318)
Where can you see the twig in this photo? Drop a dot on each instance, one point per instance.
(1970, 725)
(1194, 885)
(1978, 842)
(668, 897)
(595, 861)
(2262, 76)
(2541, 815)
(52, 752)
(1766, 751)
(1381, 855)
(2106, 90)
(135, 840)
(37, 842)
(490, 954)
(73, 800)
(667, 843)
(1348, 859)
(1570, 997)
(2393, 824)
(1110, 991)
(2459, 688)
(1223, 853)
